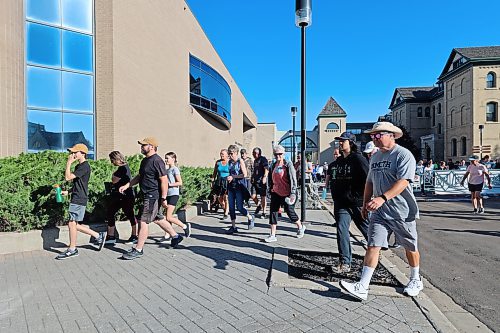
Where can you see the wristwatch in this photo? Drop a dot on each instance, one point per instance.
(383, 197)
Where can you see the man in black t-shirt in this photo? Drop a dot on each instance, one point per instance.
(259, 181)
(347, 177)
(153, 181)
(79, 197)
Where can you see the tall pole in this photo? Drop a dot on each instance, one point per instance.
(303, 125)
(294, 149)
(481, 141)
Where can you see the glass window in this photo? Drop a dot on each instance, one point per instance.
(492, 111)
(44, 10)
(44, 130)
(439, 128)
(427, 111)
(463, 115)
(462, 86)
(434, 115)
(43, 88)
(439, 108)
(451, 93)
(78, 128)
(464, 146)
(491, 80)
(419, 112)
(287, 143)
(78, 92)
(77, 51)
(332, 126)
(453, 147)
(77, 14)
(43, 45)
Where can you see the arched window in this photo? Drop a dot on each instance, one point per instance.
(332, 126)
(462, 86)
(492, 111)
(439, 108)
(434, 115)
(463, 115)
(439, 128)
(450, 125)
(427, 112)
(451, 90)
(419, 112)
(453, 147)
(491, 80)
(464, 146)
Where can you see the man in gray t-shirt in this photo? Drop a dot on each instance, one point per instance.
(391, 206)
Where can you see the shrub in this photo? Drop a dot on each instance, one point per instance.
(27, 196)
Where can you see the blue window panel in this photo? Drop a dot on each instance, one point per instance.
(78, 92)
(43, 88)
(77, 14)
(44, 130)
(43, 45)
(77, 51)
(193, 61)
(78, 128)
(44, 10)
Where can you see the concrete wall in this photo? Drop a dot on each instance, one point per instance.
(266, 136)
(151, 44)
(12, 105)
(326, 138)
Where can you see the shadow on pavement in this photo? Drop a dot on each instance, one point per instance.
(493, 233)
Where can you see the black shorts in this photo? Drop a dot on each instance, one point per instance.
(150, 209)
(220, 186)
(259, 189)
(475, 187)
(172, 200)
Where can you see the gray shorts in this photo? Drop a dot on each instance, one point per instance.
(76, 212)
(405, 233)
(150, 210)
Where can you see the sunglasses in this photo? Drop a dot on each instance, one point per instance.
(278, 154)
(378, 135)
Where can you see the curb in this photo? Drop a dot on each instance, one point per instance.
(58, 237)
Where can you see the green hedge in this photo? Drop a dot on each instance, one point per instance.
(27, 198)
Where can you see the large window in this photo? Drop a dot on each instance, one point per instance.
(332, 127)
(492, 111)
(464, 146)
(427, 112)
(491, 80)
(209, 91)
(287, 143)
(453, 147)
(434, 115)
(60, 74)
(419, 112)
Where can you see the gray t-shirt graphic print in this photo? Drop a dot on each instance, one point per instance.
(385, 169)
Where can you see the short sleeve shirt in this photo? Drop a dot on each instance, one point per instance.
(123, 172)
(150, 171)
(259, 168)
(80, 190)
(171, 173)
(281, 181)
(476, 173)
(387, 167)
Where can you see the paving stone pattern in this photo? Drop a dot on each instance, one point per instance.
(211, 283)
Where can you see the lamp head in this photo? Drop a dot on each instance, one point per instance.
(293, 109)
(303, 13)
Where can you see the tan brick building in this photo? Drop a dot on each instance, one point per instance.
(447, 120)
(108, 72)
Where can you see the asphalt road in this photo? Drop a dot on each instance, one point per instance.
(460, 254)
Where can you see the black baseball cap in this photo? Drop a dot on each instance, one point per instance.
(346, 136)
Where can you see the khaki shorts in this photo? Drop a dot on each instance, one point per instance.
(150, 209)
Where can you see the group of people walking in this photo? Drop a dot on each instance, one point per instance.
(159, 187)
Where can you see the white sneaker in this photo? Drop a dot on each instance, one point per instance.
(251, 222)
(356, 290)
(271, 239)
(413, 287)
(301, 231)
(165, 240)
(225, 218)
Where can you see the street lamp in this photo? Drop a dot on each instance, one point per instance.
(481, 141)
(303, 18)
(293, 109)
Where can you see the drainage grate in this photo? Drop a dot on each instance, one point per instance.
(311, 265)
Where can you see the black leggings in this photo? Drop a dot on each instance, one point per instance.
(125, 203)
(276, 202)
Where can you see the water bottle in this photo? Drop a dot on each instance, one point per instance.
(59, 197)
(323, 194)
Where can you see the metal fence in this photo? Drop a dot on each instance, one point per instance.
(448, 182)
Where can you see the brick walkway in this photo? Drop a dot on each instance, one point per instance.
(211, 283)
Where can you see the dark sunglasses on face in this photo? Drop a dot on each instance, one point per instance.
(378, 135)
(278, 154)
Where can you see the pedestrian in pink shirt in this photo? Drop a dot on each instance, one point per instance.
(476, 173)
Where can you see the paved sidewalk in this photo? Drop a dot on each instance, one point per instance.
(211, 283)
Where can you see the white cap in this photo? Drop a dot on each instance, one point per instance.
(370, 148)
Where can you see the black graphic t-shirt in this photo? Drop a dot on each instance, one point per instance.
(348, 178)
(80, 189)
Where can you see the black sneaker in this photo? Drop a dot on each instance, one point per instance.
(99, 241)
(110, 240)
(231, 230)
(257, 210)
(176, 241)
(132, 240)
(132, 254)
(481, 211)
(263, 216)
(187, 231)
(248, 204)
(68, 253)
(474, 211)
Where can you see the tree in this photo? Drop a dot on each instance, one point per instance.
(407, 141)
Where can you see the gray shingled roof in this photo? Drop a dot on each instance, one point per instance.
(332, 108)
(479, 52)
(417, 92)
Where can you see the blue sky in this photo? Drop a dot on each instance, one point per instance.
(358, 52)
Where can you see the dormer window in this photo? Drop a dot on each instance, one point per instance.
(458, 63)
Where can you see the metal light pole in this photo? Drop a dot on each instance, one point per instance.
(303, 18)
(293, 109)
(481, 141)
